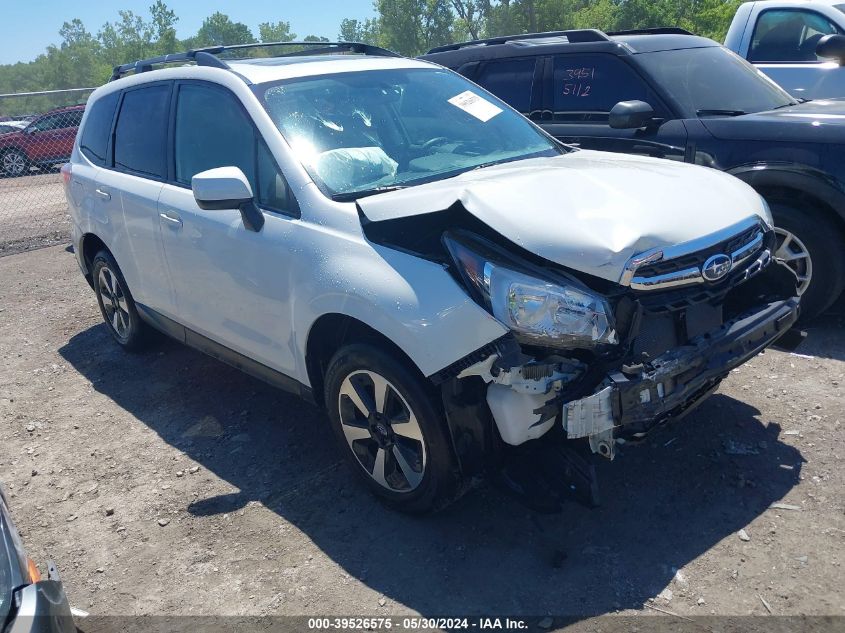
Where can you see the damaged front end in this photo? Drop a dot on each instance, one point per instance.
(650, 349)
(590, 359)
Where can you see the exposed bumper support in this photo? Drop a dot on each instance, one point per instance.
(674, 382)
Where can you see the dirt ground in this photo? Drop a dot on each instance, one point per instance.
(33, 211)
(168, 483)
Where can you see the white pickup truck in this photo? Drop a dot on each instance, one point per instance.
(800, 44)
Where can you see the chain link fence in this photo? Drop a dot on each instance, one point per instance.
(37, 130)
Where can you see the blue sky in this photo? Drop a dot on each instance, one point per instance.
(28, 26)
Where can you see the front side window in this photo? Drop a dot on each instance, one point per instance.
(713, 81)
(95, 136)
(788, 36)
(363, 132)
(213, 130)
(586, 87)
(140, 135)
(512, 80)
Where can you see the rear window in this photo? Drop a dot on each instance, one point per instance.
(512, 80)
(141, 132)
(95, 136)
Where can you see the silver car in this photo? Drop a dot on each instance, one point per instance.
(28, 603)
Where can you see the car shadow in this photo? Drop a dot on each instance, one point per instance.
(825, 334)
(665, 502)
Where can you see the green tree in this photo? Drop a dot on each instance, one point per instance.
(164, 26)
(218, 29)
(366, 31)
(276, 32)
(412, 27)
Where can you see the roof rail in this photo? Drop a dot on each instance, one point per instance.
(659, 30)
(208, 56)
(573, 35)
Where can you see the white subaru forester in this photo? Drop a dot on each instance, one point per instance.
(387, 239)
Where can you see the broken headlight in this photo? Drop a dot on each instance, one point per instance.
(539, 311)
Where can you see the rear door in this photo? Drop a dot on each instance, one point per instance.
(783, 45)
(128, 191)
(232, 284)
(517, 81)
(94, 147)
(582, 88)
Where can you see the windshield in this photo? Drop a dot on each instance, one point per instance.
(364, 132)
(713, 81)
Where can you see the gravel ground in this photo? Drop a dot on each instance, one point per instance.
(168, 483)
(33, 212)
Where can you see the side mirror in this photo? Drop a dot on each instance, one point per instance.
(631, 115)
(832, 47)
(227, 188)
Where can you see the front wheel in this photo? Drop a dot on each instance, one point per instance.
(391, 429)
(811, 246)
(14, 163)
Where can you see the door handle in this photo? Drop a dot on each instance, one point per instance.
(105, 195)
(171, 219)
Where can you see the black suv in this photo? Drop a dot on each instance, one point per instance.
(670, 94)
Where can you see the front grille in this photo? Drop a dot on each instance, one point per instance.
(697, 263)
(698, 258)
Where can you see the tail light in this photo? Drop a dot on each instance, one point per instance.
(67, 171)
(32, 570)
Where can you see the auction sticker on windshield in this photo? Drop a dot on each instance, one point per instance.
(477, 106)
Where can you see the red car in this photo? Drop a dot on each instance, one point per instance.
(44, 142)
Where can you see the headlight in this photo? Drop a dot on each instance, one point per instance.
(538, 311)
(767, 213)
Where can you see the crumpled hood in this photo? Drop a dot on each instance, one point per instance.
(589, 211)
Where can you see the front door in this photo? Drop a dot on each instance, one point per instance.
(232, 284)
(580, 91)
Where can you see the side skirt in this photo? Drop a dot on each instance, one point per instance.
(224, 354)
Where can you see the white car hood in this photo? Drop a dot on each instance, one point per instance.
(589, 211)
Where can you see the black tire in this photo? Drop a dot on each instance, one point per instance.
(440, 482)
(117, 305)
(14, 163)
(824, 241)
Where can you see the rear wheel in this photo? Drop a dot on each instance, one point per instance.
(116, 303)
(14, 163)
(811, 246)
(391, 429)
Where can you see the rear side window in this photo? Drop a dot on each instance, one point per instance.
(95, 136)
(213, 130)
(586, 87)
(141, 132)
(512, 80)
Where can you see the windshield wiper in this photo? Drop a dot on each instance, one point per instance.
(349, 196)
(720, 112)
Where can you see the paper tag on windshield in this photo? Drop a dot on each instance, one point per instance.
(477, 106)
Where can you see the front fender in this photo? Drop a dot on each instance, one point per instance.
(413, 302)
(810, 180)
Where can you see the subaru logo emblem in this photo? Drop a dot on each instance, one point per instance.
(716, 267)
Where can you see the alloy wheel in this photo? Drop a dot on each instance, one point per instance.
(14, 163)
(382, 431)
(114, 302)
(791, 251)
